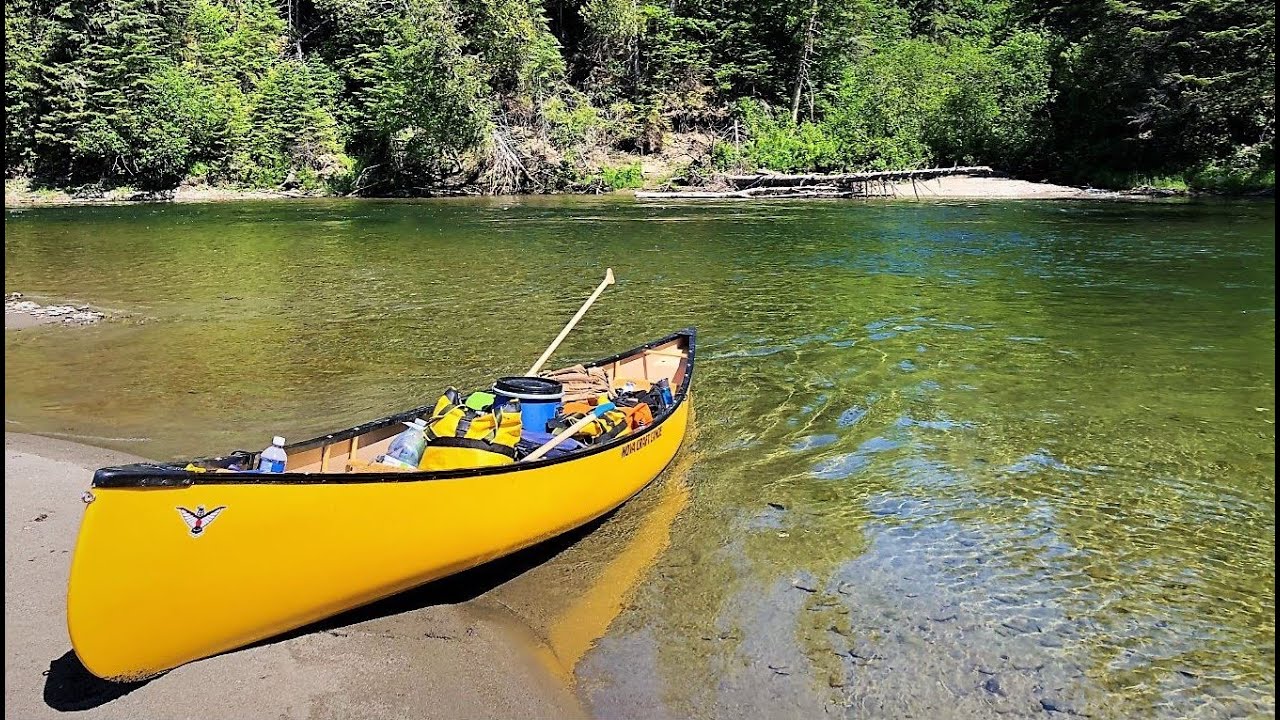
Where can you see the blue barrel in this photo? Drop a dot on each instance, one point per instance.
(540, 399)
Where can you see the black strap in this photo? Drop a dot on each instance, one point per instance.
(472, 444)
(613, 432)
(497, 423)
(559, 424)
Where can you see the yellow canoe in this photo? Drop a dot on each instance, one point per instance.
(172, 566)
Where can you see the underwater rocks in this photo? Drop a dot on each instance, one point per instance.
(66, 314)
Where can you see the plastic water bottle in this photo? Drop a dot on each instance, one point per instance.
(405, 450)
(664, 390)
(273, 458)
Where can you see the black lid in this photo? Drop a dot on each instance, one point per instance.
(529, 386)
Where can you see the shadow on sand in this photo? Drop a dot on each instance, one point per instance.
(70, 687)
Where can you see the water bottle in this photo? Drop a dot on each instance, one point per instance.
(405, 450)
(664, 391)
(273, 458)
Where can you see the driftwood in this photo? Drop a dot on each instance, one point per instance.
(780, 180)
(788, 192)
(778, 185)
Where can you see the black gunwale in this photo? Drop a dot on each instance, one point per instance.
(152, 475)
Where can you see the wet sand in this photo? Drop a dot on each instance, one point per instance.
(22, 321)
(443, 651)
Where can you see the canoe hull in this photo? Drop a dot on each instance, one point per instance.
(149, 592)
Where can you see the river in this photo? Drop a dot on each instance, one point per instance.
(953, 459)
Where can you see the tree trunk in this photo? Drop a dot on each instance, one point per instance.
(802, 73)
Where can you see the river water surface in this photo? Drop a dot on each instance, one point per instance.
(948, 460)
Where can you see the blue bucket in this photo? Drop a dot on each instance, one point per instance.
(540, 399)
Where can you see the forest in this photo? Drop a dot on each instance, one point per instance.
(414, 97)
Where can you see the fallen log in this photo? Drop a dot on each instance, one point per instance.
(689, 195)
(767, 184)
(768, 179)
(750, 193)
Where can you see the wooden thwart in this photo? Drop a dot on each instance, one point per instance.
(666, 353)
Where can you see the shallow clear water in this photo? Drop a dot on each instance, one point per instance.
(951, 459)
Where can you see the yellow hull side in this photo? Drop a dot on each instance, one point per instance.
(146, 596)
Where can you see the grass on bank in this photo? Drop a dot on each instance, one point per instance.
(1244, 180)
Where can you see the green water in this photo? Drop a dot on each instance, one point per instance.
(952, 459)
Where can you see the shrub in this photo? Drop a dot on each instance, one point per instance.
(624, 176)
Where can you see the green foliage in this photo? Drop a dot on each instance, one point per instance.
(776, 144)
(423, 99)
(1176, 183)
(726, 156)
(520, 55)
(572, 120)
(292, 128)
(420, 94)
(1155, 86)
(623, 177)
(912, 104)
(918, 102)
(178, 120)
(240, 42)
(882, 109)
(94, 74)
(26, 42)
(1241, 177)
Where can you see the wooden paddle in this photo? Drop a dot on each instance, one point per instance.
(608, 280)
(574, 429)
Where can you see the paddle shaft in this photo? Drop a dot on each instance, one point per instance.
(608, 280)
(574, 429)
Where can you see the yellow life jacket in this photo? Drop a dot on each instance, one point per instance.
(462, 437)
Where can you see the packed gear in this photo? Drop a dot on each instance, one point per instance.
(462, 437)
(480, 400)
(613, 423)
(531, 440)
(581, 383)
(652, 396)
(539, 397)
(480, 431)
(639, 413)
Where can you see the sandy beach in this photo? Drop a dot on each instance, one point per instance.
(986, 188)
(443, 651)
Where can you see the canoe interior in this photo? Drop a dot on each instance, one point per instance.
(666, 359)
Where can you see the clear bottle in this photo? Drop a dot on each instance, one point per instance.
(405, 450)
(272, 459)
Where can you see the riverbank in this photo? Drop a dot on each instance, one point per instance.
(427, 657)
(19, 194)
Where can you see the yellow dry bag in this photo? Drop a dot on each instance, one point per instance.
(462, 437)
